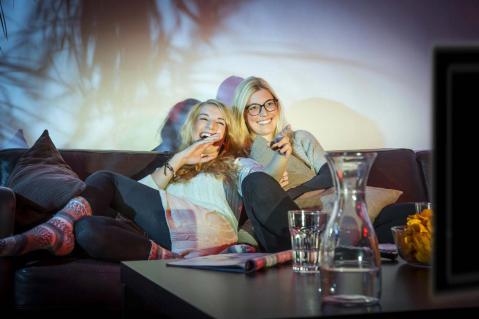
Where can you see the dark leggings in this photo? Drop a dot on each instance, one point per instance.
(267, 205)
(126, 214)
(105, 237)
(322, 180)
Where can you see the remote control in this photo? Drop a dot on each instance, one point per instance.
(388, 251)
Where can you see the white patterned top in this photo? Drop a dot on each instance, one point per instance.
(197, 210)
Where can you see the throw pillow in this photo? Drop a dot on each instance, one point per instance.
(313, 199)
(43, 179)
(376, 198)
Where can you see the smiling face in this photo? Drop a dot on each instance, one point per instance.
(210, 120)
(263, 124)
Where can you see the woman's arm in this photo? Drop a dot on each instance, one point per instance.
(191, 155)
(277, 167)
(308, 149)
(245, 167)
(282, 145)
(162, 175)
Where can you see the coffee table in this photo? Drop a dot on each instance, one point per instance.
(277, 292)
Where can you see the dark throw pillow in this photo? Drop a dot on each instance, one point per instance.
(43, 179)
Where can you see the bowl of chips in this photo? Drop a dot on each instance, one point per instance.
(414, 240)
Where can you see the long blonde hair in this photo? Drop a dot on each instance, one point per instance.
(243, 92)
(223, 165)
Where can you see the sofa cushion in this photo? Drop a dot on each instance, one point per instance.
(376, 198)
(43, 179)
(65, 282)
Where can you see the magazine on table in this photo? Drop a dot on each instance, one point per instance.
(235, 262)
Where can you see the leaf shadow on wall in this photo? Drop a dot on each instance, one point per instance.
(335, 125)
(100, 59)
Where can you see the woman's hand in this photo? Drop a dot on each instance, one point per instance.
(282, 146)
(201, 151)
(282, 143)
(284, 181)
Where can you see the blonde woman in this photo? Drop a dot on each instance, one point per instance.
(296, 159)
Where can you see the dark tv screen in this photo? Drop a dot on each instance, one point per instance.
(456, 169)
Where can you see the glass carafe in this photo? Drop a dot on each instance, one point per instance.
(350, 267)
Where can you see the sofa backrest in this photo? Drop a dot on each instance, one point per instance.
(398, 169)
(134, 164)
(424, 159)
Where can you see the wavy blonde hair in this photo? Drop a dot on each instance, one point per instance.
(223, 165)
(243, 93)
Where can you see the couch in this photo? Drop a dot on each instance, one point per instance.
(76, 284)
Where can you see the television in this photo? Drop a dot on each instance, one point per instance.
(456, 170)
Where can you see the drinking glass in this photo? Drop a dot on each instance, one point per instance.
(305, 227)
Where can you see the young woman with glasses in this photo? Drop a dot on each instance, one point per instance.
(296, 159)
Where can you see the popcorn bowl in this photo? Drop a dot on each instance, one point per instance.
(412, 250)
(414, 240)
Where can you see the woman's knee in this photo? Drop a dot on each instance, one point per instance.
(99, 192)
(258, 180)
(100, 176)
(90, 235)
(260, 185)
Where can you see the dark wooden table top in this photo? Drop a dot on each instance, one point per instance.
(277, 292)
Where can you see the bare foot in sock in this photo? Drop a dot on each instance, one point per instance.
(55, 235)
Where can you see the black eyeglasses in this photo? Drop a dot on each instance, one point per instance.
(255, 108)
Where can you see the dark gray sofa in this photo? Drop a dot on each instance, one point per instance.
(77, 284)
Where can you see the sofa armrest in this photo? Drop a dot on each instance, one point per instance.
(7, 211)
(7, 217)
(424, 159)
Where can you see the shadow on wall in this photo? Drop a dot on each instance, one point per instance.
(171, 127)
(335, 125)
(110, 62)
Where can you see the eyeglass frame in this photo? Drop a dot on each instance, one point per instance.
(274, 100)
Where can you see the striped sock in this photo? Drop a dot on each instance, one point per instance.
(158, 252)
(55, 235)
